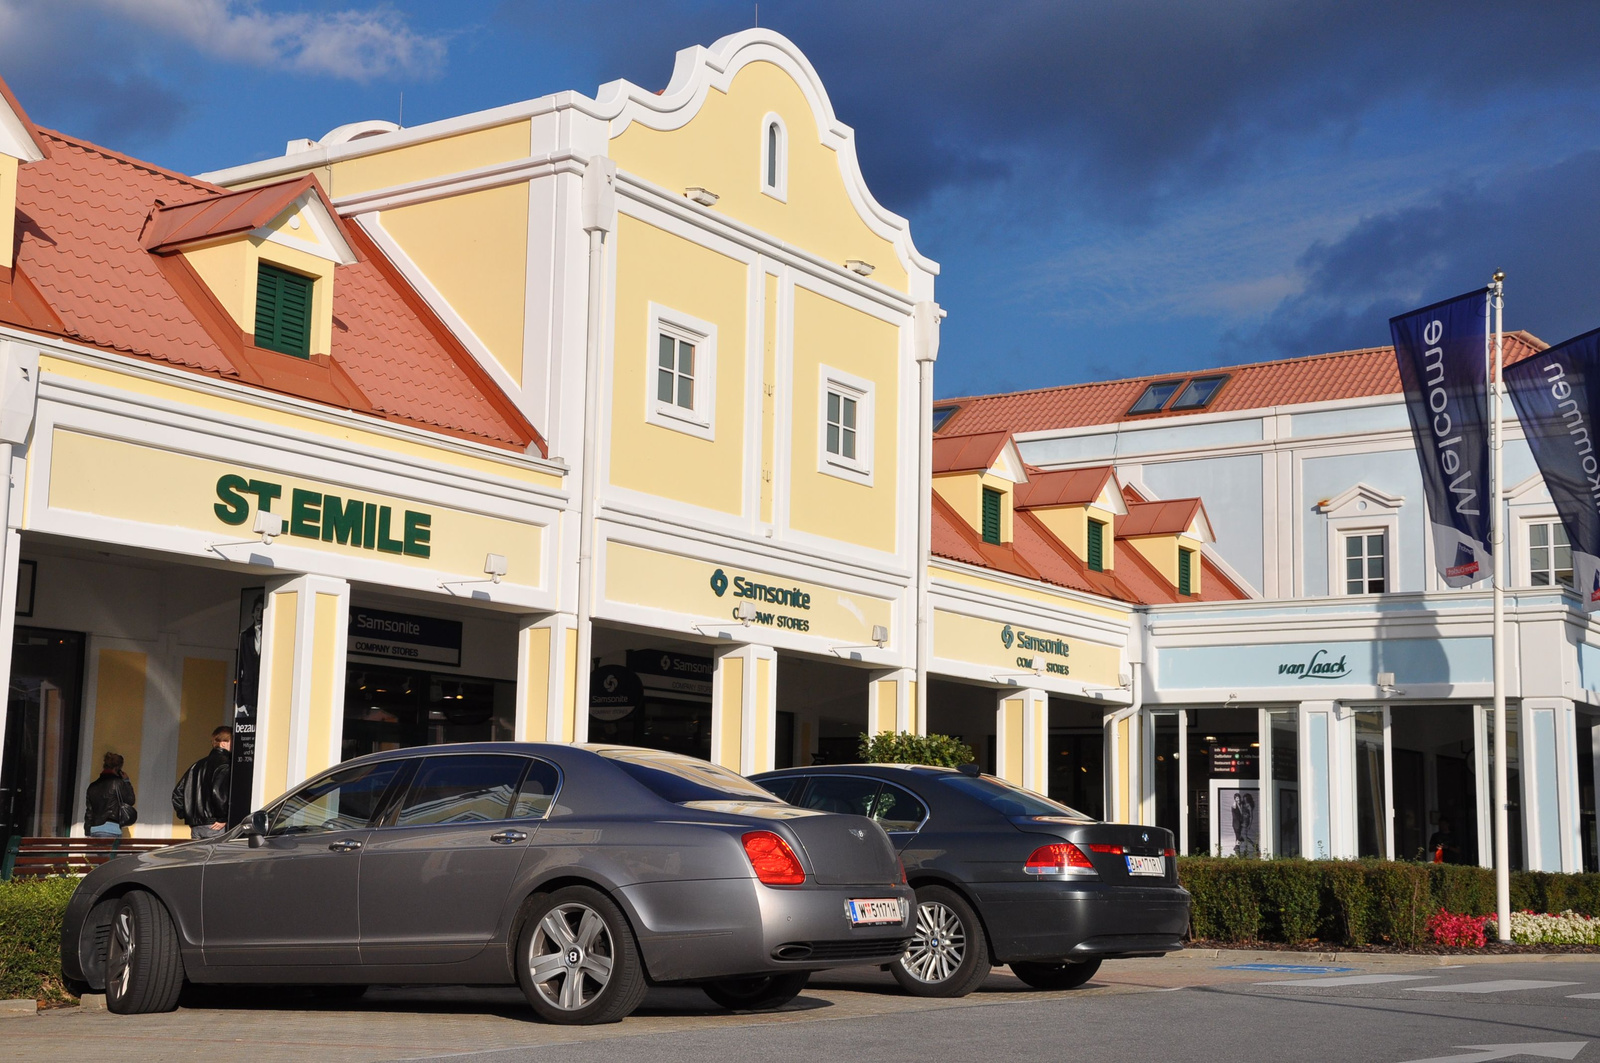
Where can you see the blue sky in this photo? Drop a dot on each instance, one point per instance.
(1112, 188)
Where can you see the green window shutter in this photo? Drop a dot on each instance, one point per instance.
(991, 515)
(283, 311)
(1185, 578)
(1097, 546)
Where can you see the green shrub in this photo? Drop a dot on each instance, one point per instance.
(899, 747)
(1291, 899)
(1358, 902)
(30, 938)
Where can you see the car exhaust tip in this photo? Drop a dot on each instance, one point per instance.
(792, 951)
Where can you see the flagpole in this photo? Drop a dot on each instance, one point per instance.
(1497, 538)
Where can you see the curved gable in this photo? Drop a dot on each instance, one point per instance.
(708, 129)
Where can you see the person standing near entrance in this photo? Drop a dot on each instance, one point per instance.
(108, 805)
(201, 796)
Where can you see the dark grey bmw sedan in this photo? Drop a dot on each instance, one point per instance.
(581, 873)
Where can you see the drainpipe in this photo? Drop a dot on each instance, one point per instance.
(926, 319)
(599, 218)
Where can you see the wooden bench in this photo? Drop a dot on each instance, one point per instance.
(42, 857)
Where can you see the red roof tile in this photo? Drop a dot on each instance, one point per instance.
(210, 216)
(1068, 487)
(1167, 517)
(967, 453)
(80, 215)
(1318, 378)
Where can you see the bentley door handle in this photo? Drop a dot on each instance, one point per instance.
(349, 845)
(508, 837)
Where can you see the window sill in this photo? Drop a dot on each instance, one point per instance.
(671, 417)
(856, 474)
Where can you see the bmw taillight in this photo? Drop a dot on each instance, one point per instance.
(903, 880)
(774, 862)
(1113, 850)
(1169, 852)
(1058, 858)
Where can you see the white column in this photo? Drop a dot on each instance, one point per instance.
(744, 705)
(1320, 767)
(547, 666)
(1022, 737)
(892, 701)
(1546, 736)
(19, 394)
(300, 713)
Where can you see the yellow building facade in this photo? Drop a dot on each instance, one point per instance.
(716, 535)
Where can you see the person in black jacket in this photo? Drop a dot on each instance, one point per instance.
(201, 797)
(108, 801)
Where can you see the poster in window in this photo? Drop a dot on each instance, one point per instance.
(1236, 817)
(246, 685)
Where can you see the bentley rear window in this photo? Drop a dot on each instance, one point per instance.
(679, 779)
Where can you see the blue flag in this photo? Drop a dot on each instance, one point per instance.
(1440, 351)
(1555, 393)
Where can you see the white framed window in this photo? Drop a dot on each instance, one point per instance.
(774, 157)
(1549, 553)
(844, 429)
(1366, 520)
(681, 368)
(1366, 561)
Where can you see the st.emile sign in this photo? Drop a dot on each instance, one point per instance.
(326, 517)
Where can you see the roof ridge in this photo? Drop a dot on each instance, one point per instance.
(130, 161)
(1520, 334)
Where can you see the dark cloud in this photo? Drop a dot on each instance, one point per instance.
(1541, 227)
(1123, 102)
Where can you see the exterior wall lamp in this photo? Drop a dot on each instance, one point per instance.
(267, 525)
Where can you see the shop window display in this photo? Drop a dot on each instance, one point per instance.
(1224, 770)
(396, 708)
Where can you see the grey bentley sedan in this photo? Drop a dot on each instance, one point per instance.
(583, 874)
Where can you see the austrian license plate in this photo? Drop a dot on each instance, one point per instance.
(869, 912)
(1147, 865)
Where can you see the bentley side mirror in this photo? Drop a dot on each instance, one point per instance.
(255, 829)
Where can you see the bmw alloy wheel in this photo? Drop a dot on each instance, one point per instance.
(938, 943)
(571, 957)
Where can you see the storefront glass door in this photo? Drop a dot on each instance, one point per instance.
(38, 775)
(396, 708)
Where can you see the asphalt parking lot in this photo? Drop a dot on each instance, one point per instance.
(1231, 1006)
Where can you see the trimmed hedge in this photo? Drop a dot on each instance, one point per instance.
(31, 911)
(898, 747)
(1358, 902)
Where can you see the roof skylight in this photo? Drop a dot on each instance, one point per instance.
(1155, 396)
(941, 414)
(1199, 393)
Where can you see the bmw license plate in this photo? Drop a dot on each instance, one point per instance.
(1147, 865)
(868, 912)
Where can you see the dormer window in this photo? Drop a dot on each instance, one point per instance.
(283, 311)
(774, 157)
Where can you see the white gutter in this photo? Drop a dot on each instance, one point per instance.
(925, 318)
(599, 218)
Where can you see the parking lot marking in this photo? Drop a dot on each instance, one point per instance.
(1352, 979)
(1284, 968)
(1503, 985)
(1583, 996)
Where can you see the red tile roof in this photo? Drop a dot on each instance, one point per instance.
(80, 215)
(1036, 553)
(967, 453)
(1068, 487)
(1318, 378)
(1166, 517)
(210, 216)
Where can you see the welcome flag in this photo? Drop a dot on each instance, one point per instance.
(1440, 351)
(1555, 393)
